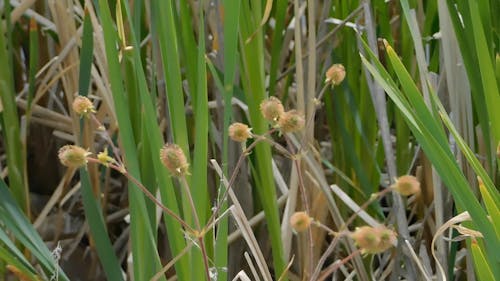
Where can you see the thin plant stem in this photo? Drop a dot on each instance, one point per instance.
(332, 268)
(243, 155)
(146, 192)
(199, 234)
(305, 202)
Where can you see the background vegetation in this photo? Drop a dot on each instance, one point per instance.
(420, 97)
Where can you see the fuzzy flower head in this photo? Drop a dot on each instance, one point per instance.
(83, 106)
(291, 121)
(335, 74)
(373, 240)
(73, 156)
(239, 132)
(174, 160)
(272, 109)
(406, 185)
(300, 221)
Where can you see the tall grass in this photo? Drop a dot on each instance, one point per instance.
(418, 98)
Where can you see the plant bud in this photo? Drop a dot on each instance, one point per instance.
(373, 240)
(272, 109)
(174, 160)
(291, 121)
(82, 106)
(239, 132)
(406, 185)
(335, 74)
(300, 221)
(73, 156)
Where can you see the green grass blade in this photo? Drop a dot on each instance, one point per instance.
(252, 69)
(146, 260)
(231, 26)
(434, 143)
(86, 55)
(20, 227)
(10, 127)
(487, 70)
(103, 246)
(483, 270)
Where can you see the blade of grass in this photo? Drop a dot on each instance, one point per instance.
(431, 136)
(20, 227)
(483, 271)
(231, 25)
(10, 124)
(252, 70)
(146, 260)
(103, 246)
(152, 143)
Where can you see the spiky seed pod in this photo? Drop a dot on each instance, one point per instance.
(239, 132)
(300, 221)
(291, 121)
(73, 156)
(272, 109)
(82, 106)
(174, 160)
(406, 185)
(335, 74)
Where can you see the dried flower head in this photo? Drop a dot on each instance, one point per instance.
(373, 240)
(335, 74)
(406, 185)
(173, 158)
(83, 106)
(272, 109)
(300, 221)
(291, 121)
(239, 132)
(73, 156)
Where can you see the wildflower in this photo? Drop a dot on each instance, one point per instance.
(272, 109)
(73, 156)
(104, 158)
(300, 221)
(174, 160)
(335, 74)
(291, 121)
(239, 132)
(406, 185)
(83, 106)
(373, 240)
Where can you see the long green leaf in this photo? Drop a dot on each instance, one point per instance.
(146, 259)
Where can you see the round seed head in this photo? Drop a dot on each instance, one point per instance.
(335, 74)
(272, 109)
(407, 185)
(291, 121)
(174, 160)
(387, 238)
(82, 106)
(239, 132)
(366, 238)
(73, 156)
(300, 221)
